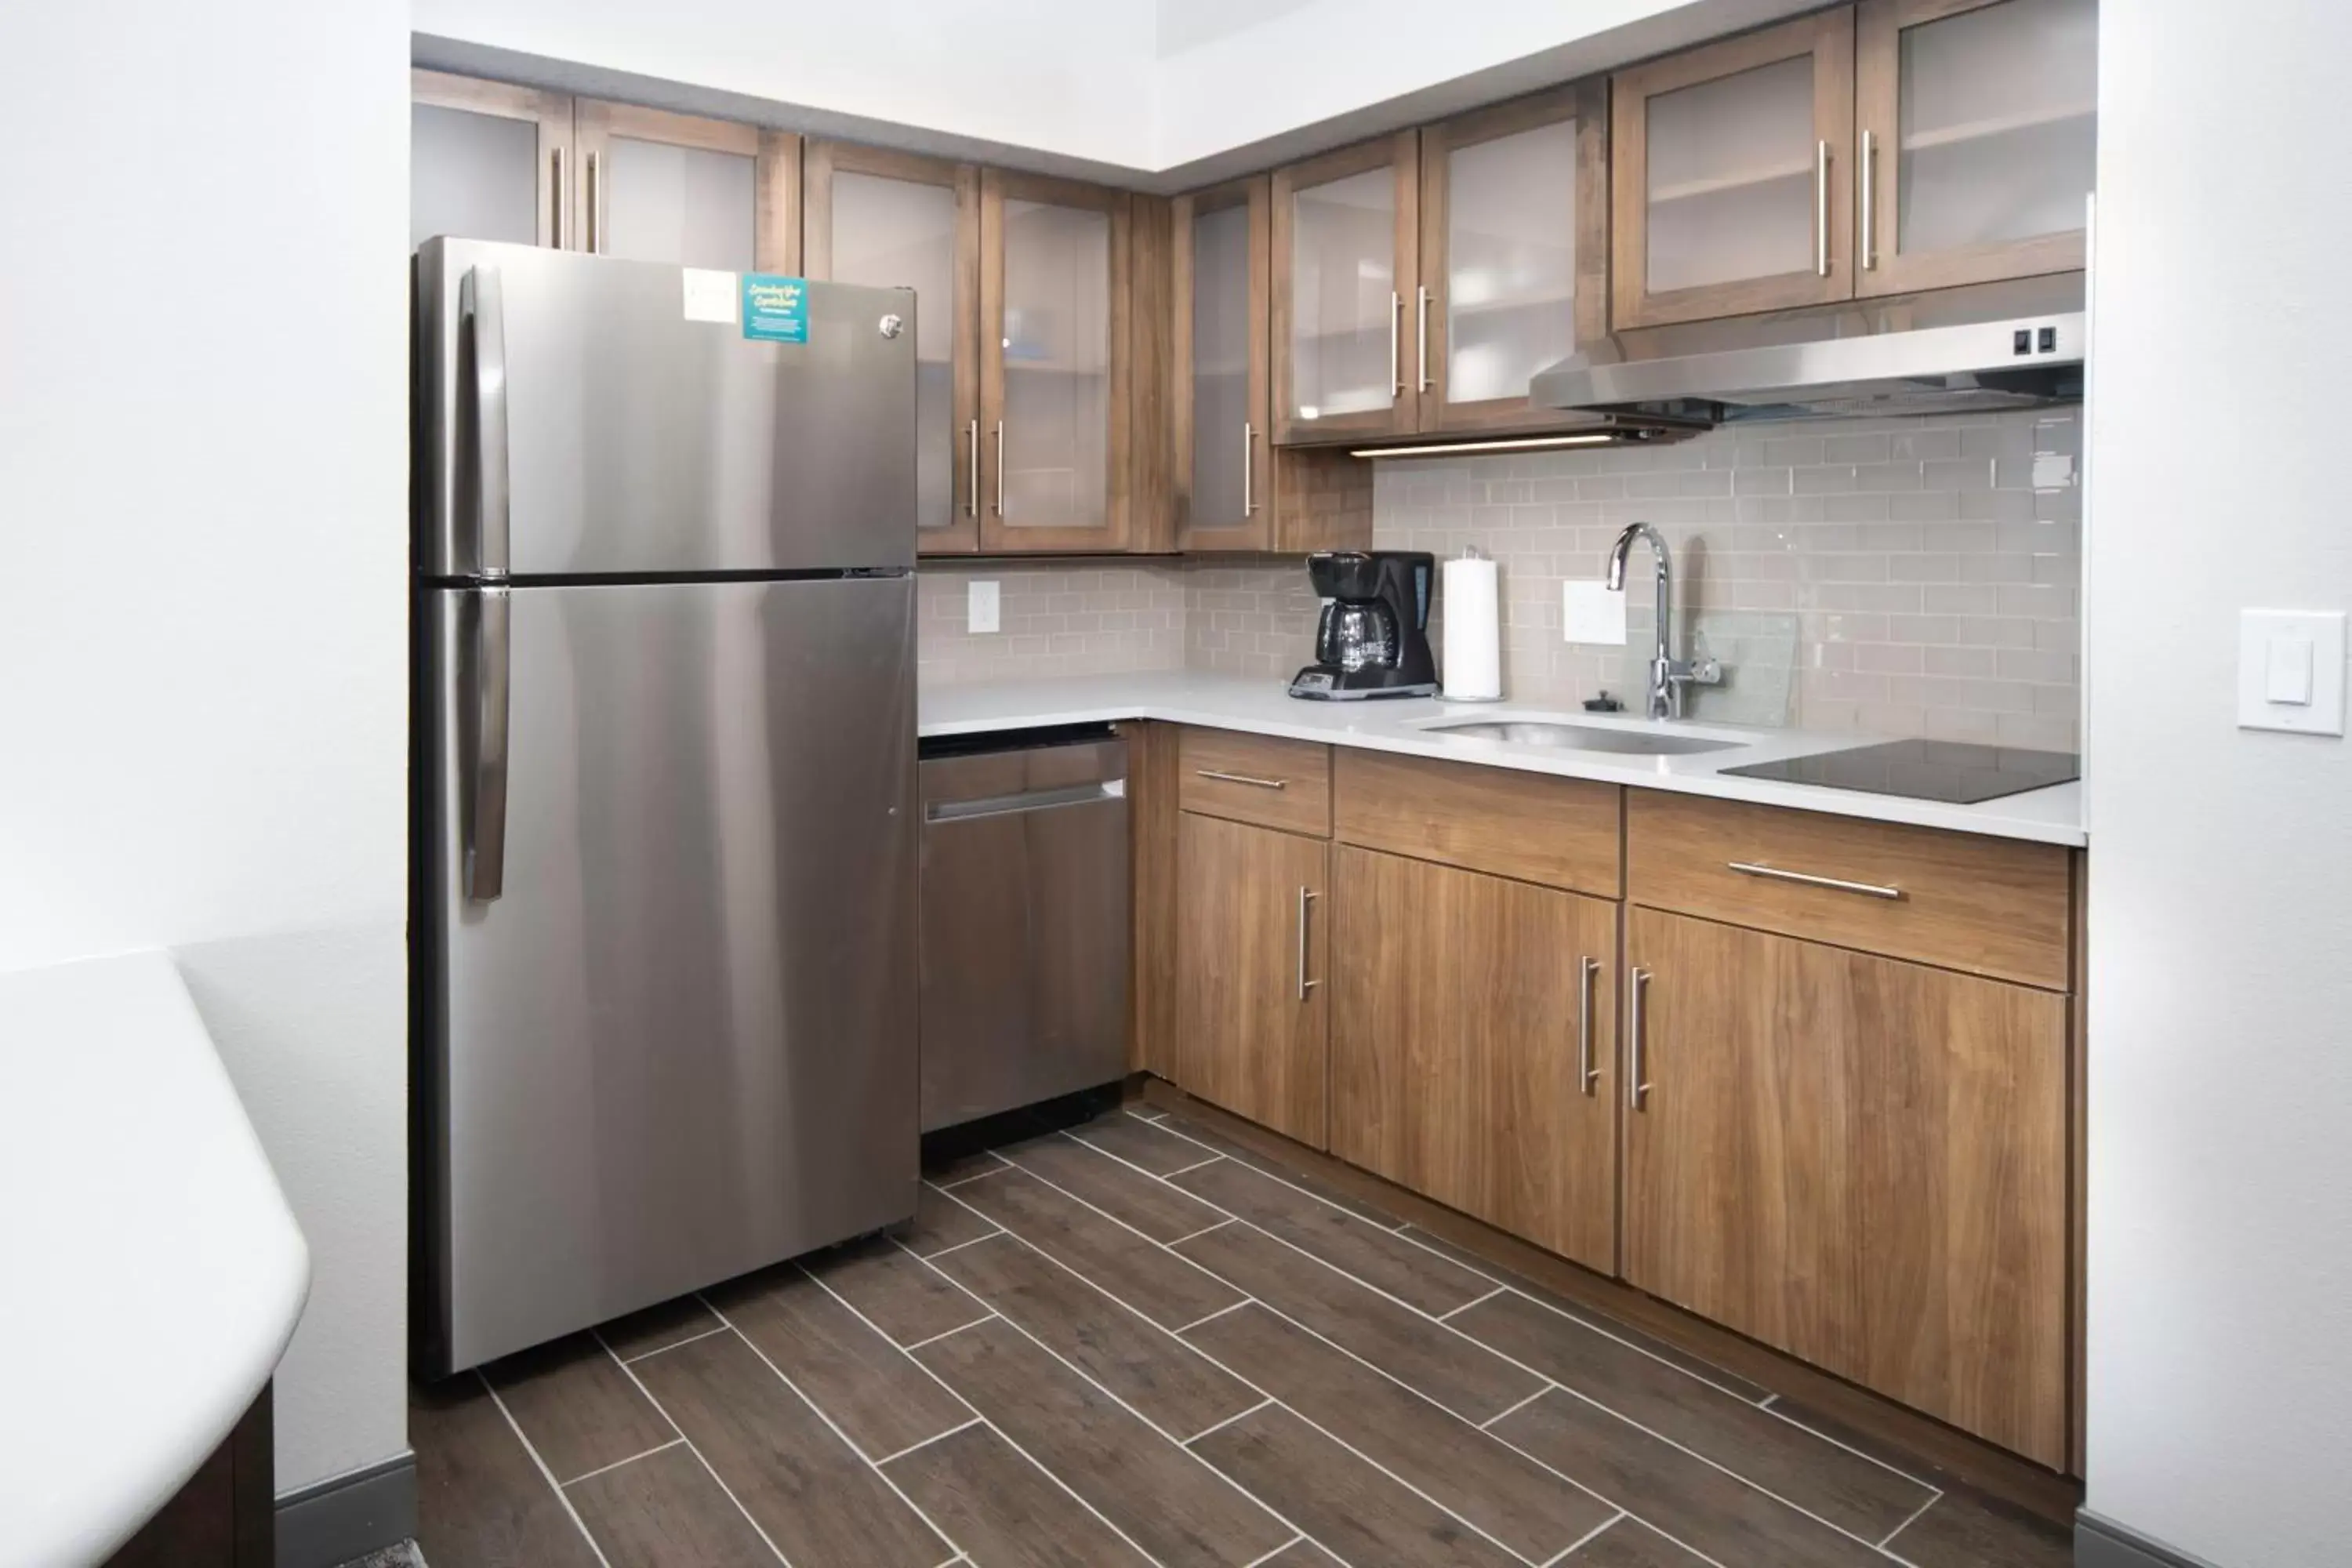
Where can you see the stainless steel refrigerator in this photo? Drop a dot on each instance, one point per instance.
(663, 906)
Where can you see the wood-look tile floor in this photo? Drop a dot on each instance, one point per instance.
(1131, 1343)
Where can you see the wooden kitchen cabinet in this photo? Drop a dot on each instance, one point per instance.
(1053, 383)
(1222, 365)
(1474, 1047)
(1514, 263)
(1857, 1159)
(1252, 992)
(1731, 189)
(899, 220)
(1978, 126)
(657, 186)
(487, 159)
(1346, 231)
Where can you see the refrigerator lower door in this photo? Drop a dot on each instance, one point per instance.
(679, 1043)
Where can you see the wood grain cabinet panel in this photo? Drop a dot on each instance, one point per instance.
(1990, 906)
(1730, 189)
(1473, 1051)
(1253, 1000)
(1563, 833)
(1263, 779)
(1859, 1161)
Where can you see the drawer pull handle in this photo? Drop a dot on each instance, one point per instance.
(1774, 873)
(1242, 779)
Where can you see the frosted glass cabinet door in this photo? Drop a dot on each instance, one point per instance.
(1222, 256)
(1052, 364)
(897, 220)
(1979, 129)
(655, 186)
(1346, 274)
(1513, 242)
(1730, 169)
(486, 159)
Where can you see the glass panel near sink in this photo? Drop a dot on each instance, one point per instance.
(1580, 737)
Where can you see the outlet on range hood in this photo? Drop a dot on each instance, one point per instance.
(2017, 345)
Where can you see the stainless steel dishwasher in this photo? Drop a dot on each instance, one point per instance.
(1025, 919)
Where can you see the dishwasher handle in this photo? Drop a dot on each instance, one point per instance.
(1024, 801)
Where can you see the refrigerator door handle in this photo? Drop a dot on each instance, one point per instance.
(485, 759)
(481, 304)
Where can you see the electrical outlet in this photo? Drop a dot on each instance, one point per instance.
(980, 606)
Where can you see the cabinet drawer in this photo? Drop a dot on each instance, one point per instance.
(1563, 833)
(1256, 778)
(1989, 906)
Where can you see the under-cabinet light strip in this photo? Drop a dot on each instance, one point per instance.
(1519, 444)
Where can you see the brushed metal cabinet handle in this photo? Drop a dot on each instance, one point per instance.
(485, 785)
(481, 306)
(1869, 202)
(1586, 1073)
(1000, 468)
(555, 198)
(1306, 896)
(971, 496)
(1422, 328)
(1637, 1084)
(1821, 209)
(1249, 453)
(1396, 365)
(1836, 884)
(595, 213)
(1241, 779)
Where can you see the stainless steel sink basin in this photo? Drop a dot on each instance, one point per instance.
(1578, 737)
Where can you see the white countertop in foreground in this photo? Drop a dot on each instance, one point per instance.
(1261, 706)
(154, 1271)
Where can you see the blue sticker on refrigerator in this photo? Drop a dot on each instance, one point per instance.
(775, 308)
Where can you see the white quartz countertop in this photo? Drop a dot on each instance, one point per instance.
(1261, 706)
(154, 1271)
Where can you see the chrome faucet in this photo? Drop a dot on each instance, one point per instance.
(1668, 675)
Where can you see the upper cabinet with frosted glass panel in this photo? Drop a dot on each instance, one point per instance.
(1514, 273)
(1978, 126)
(1054, 436)
(898, 220)
(1731, 175)
(487, 159)
(655, 186)
(1346, 275)
(1221, 367)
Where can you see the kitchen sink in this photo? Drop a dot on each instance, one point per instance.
(1578, 737)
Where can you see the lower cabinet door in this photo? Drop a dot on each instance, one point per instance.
(1253, 1017)
(1473, 1048)
(1858, 1159)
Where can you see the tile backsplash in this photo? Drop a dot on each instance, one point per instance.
(1907, 576)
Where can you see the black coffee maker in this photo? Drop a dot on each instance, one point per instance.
(1373, 637)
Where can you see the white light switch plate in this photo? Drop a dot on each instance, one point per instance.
(1589, 612)
(2291, 671)
(980, 606)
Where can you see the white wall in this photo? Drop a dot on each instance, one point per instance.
(203, 436)
(1068, 76)
(2221, 917)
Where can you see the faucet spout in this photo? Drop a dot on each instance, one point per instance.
(1667, 675)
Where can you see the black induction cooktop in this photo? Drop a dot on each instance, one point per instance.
(1951, 771)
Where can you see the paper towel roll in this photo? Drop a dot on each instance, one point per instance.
(1474, 630)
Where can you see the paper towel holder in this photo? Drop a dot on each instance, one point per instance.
(1472, 629)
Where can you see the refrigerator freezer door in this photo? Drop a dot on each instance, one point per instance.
(681, 1044)
(643, 436)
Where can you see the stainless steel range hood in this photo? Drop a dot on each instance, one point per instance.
(1992, 346)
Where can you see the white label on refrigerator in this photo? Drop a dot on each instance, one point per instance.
(710, 296)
